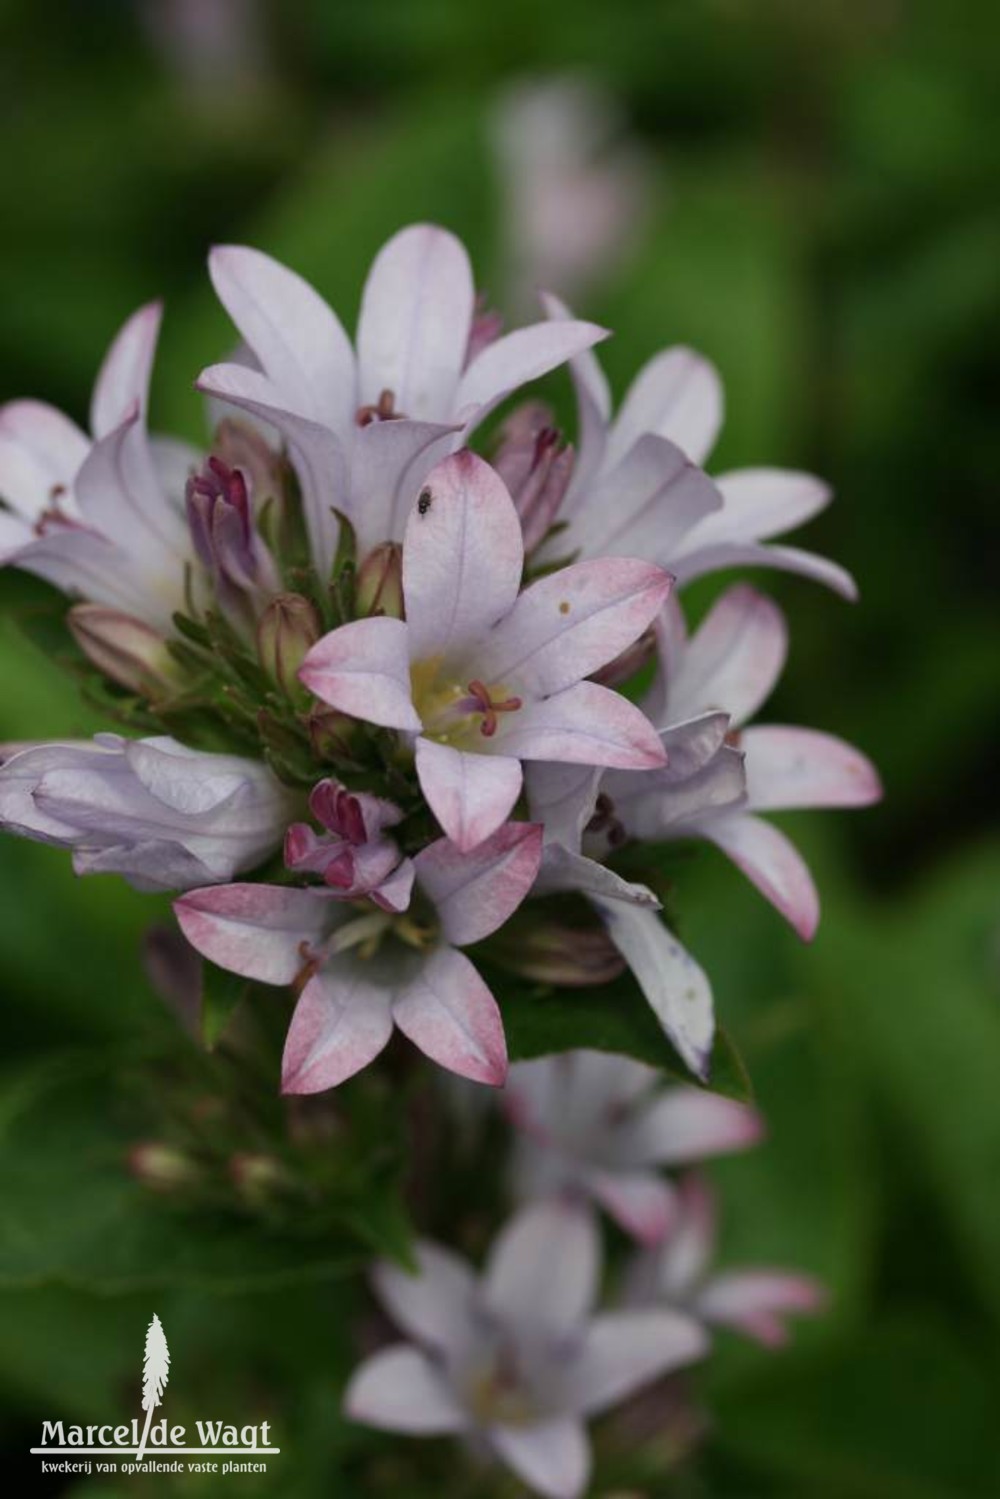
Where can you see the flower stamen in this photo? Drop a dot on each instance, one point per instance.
(481, 701)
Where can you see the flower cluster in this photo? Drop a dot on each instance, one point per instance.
(515, 1361)
(371, 685)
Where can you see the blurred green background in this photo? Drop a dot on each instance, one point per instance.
(819, 214)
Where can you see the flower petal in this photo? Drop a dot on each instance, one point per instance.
(341, 1023)
(255, 930)
(622, 1351)
(585, 725)
(754, 1301)
(517, 358)
(789, 767)
(563, 797)
(683, 1125)
(552, 1457)
(476, 892)
(733, 659)
(449, 1013)
(41, 451)
(399, 1389)
(123, 380)
(694, 560)
(389, 461)
(640, 1202)
(416, 312)
(678, 395)
(562, 869)
(680, 1265)
(462, 558)
(364, 669)
(772, 863)
(469, 794)
(431, 1304)
(593, 399)
(658, 806)
(572, 622)
(544, 1266)
(676, 988)
(763, 502)
(293, 334)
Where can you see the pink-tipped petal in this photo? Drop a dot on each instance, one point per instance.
(462, 557)
(572, 622)
(364, 669)
(622, 1351)
(416, 312)
(677, 395)
(754, 1302)
(685, 1124)
(789, 767)
(255, 930)
(583, 725)
(733, 659)
(517, 358)
(475, 892)
(123, 380)
(641, 1203)
(293, 334)
(772, 863)
(341, 1023)
(449, 1013)
(676, 988)
(431, 1304)
(469, 794)
(543, 1268)
(399, 1389)
(763, 502)
(551, 1457)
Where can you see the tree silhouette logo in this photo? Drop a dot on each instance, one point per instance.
(155, 1373)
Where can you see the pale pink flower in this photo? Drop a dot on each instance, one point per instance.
(481, 675)
(102, 518)
(752, 1301)
(363, 427)
(164, 816)
(516, 1360)
(600, 1126)
(353, 855)
(366, 970)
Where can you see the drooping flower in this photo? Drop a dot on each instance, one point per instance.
(366, 970)
(516, 1358)
(164, 816)
(599, 1126)
(365, 427)
(101, 518)
(638, 489)
(752, 1301)
(483, 676)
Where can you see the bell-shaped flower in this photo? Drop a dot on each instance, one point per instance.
(516, 1360)
(638, 488)
(364, 426)
(481, 675)
(600, 1126)
(733, 661)
(363, 971)
(164, 816)
(753, 1301)
(101, 518)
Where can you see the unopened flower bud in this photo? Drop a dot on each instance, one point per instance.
(549, 951)
(162, 1167)
(287, 629)
(536, 466)
(331, 734)
(224, 534)
(258, 1177)
(380, 581)
(632, 659)
(125, 649)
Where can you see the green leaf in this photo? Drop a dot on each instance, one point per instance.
(612, 1017)
(221, 994)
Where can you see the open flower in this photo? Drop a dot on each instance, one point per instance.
(752, 1301)
(364, 427)
(481, 675)
(164, 816)
(599, 1126)
(102, 519)
(516, 1359)
(638, 489)
(366, 969)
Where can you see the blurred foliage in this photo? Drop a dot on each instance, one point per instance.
(824, 224)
